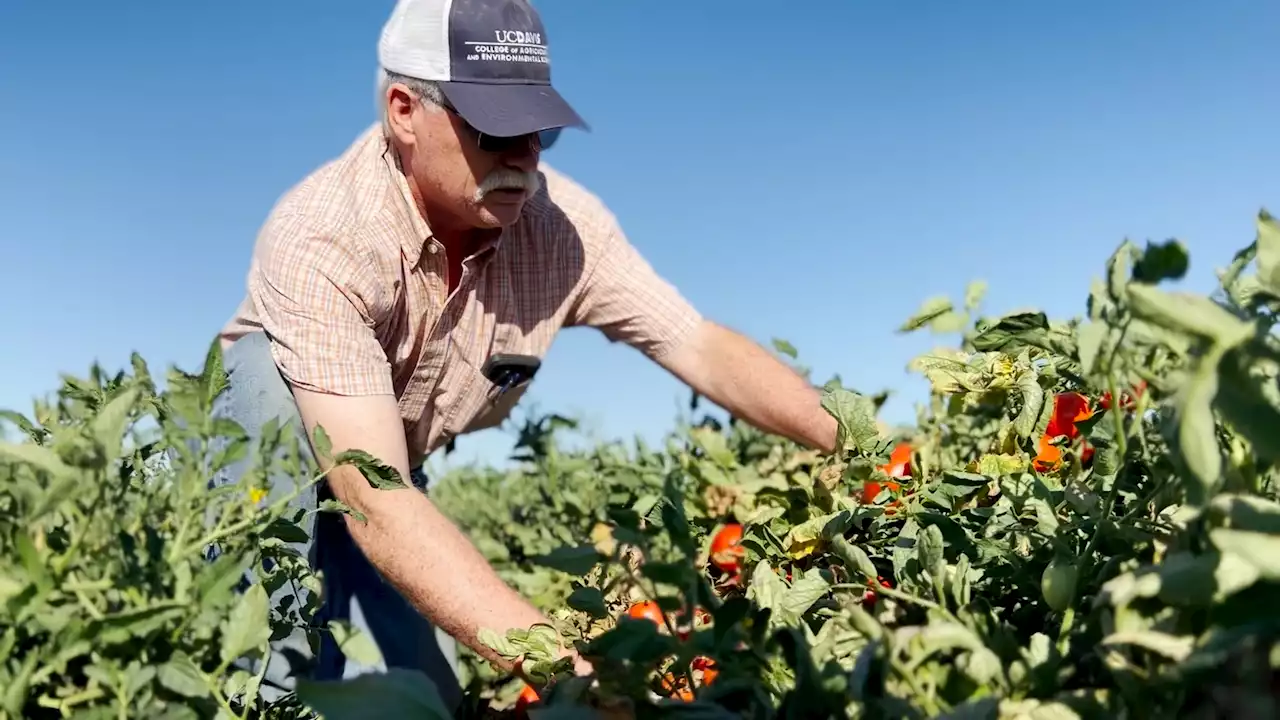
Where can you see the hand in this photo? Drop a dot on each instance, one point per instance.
(615, 709)
(581, 667)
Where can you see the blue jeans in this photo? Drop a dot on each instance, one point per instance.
(353, 590)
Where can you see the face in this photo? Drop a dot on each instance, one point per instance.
(464, 179)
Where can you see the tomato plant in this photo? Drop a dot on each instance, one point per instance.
(1139, 581)
(1050, 580)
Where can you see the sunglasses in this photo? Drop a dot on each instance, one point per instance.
(541, 140)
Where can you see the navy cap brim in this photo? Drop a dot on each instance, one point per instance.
(507, 110)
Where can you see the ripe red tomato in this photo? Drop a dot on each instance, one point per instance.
(676, 688)
(1068, 409)
(727, 551)
(869, 597)
(872, 489)
(899, 465)
(708, 668)
(1048, 457)
(528, 696)
(646, 610)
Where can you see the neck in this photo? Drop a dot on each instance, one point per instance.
(456, 236)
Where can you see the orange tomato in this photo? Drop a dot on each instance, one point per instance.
(528, 696)
(899, 466)
(1048, 457)
(676, 688)
(708, 668)
(1068, 409)
(727, 551)
(872, 489)
(647, 610)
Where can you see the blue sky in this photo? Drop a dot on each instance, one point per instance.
(811, 175)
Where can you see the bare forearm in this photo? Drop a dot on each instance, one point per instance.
(436, 567)
(740, 376)
(410, 542)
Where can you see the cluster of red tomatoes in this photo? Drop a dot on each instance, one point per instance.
(704, 666)
(727, 552)
(1068, 409)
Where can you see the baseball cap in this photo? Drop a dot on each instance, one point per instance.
(489, 58)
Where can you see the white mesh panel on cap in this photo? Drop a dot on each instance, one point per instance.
(415, 40)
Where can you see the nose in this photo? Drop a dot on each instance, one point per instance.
(524, 157)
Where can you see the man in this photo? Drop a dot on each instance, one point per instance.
(382, 285)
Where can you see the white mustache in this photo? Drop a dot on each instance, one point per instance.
(508, 179)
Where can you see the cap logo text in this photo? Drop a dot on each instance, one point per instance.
(517, 37)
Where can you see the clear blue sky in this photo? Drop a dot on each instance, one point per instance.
(812, 175)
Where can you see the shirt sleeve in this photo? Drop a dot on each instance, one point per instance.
(625, 298)
(318, 300)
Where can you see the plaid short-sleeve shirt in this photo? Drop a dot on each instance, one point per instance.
(348, 283)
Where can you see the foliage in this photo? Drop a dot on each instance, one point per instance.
(1118, 560)
(1087, 527)
(125, 579)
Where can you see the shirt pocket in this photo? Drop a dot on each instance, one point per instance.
(497, 405)
(493, 404)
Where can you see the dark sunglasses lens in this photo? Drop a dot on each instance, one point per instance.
(549, 137)
(490, 143)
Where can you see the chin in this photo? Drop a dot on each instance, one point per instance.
(500, 214)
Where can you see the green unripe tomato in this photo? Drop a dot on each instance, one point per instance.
(1058, 584)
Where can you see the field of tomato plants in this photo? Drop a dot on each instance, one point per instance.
(1083, 522)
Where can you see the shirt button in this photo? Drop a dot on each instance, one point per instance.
(433, 249)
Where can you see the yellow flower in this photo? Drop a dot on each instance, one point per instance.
(256, 495)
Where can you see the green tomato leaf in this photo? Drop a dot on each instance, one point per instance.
(932, 309)
(1162, 261)
(1173, 647)
(1012, 333)
(1268, 242)
(1197, 433)
(576, 561)
(590, 601)
(785, 348)
(355, 643)
(1189, 314)
(379, 474)
(397, 693)
(856, 416)
(182, 677)
(248, 626)
(1261, 550)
